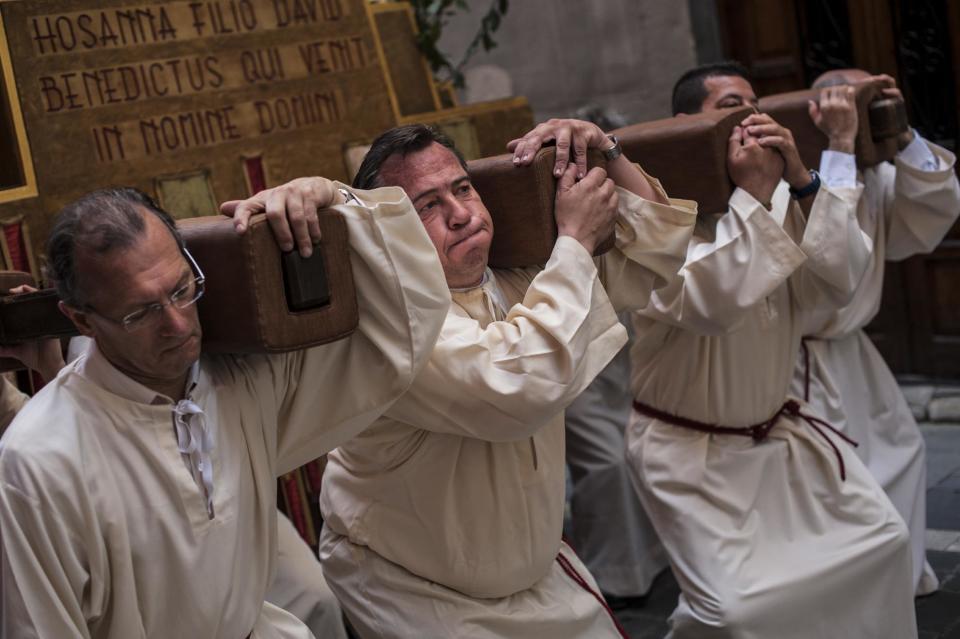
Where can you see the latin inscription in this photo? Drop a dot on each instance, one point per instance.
(236, 59)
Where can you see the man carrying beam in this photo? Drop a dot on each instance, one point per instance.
(445, 518)
(774, 528)
(907, 207)
(138, 488)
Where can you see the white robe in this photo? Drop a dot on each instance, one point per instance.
(444, 518)
(104, 531)
(765, 538)
(299, 586)
(609, 529)
(906, 210)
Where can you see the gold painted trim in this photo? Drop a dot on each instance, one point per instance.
(381, 56)
(385, 7)
(29, 189)
(446, 88)
(466, 110)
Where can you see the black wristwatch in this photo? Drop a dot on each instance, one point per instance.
(810, 189)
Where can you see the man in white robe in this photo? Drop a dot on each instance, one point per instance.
(907, 207)
(298, 585)
(138, 488)
(444, 519)
(773, 526)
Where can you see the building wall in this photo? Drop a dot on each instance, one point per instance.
(562, 54)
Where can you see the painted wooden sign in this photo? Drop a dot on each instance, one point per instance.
(195, 102)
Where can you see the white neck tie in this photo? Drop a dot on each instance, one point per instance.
(193, 436)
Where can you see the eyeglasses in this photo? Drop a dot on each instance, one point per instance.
(150, 315)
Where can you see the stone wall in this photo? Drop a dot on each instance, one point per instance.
(562, 54)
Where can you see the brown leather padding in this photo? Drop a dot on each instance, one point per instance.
(688, 154)
(244, 309)
(31, 313)
(877, 117)
(520, 200)
(13, 279)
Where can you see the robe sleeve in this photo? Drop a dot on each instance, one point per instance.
(920, 205)
(11, 401)
(504, 381)
(651, 243)
(746, 257)
(837, 249)
(330, 393)
(44, 574)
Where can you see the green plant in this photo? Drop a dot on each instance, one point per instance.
(433, 15)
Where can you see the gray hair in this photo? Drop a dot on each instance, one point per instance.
(100, 222)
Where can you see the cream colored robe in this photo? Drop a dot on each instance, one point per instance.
(299, 586)
(906, 209)
(609, 528)
(765, 538)
(444, 518)
(105, 533)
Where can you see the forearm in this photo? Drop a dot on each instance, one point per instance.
(631, 177)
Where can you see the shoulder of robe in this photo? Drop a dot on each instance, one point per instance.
(45, 444)
(243, 369)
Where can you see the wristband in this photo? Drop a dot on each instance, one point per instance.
(810, 189)
(613, 152)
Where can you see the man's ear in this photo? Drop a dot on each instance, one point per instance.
(78, 317)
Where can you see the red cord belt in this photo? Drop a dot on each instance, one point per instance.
(759, 431)
(580, 581)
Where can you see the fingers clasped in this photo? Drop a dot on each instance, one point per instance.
(291, 211)
(572, 138)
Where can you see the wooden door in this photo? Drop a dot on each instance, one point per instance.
(787, 43)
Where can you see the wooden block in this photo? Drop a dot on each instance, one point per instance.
(688, 154)
(520, 201)
(246, 307)
(880, 121)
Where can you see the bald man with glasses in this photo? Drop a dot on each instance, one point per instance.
(138, 488)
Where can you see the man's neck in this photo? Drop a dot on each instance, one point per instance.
(465, 287)
(175, 389)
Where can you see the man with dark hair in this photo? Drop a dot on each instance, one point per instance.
(138, 488)
(718, 85)
(401, 140)
(445, 518)
(907, 207)
(773, 527)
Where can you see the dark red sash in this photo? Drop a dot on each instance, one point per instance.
(759, 431)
